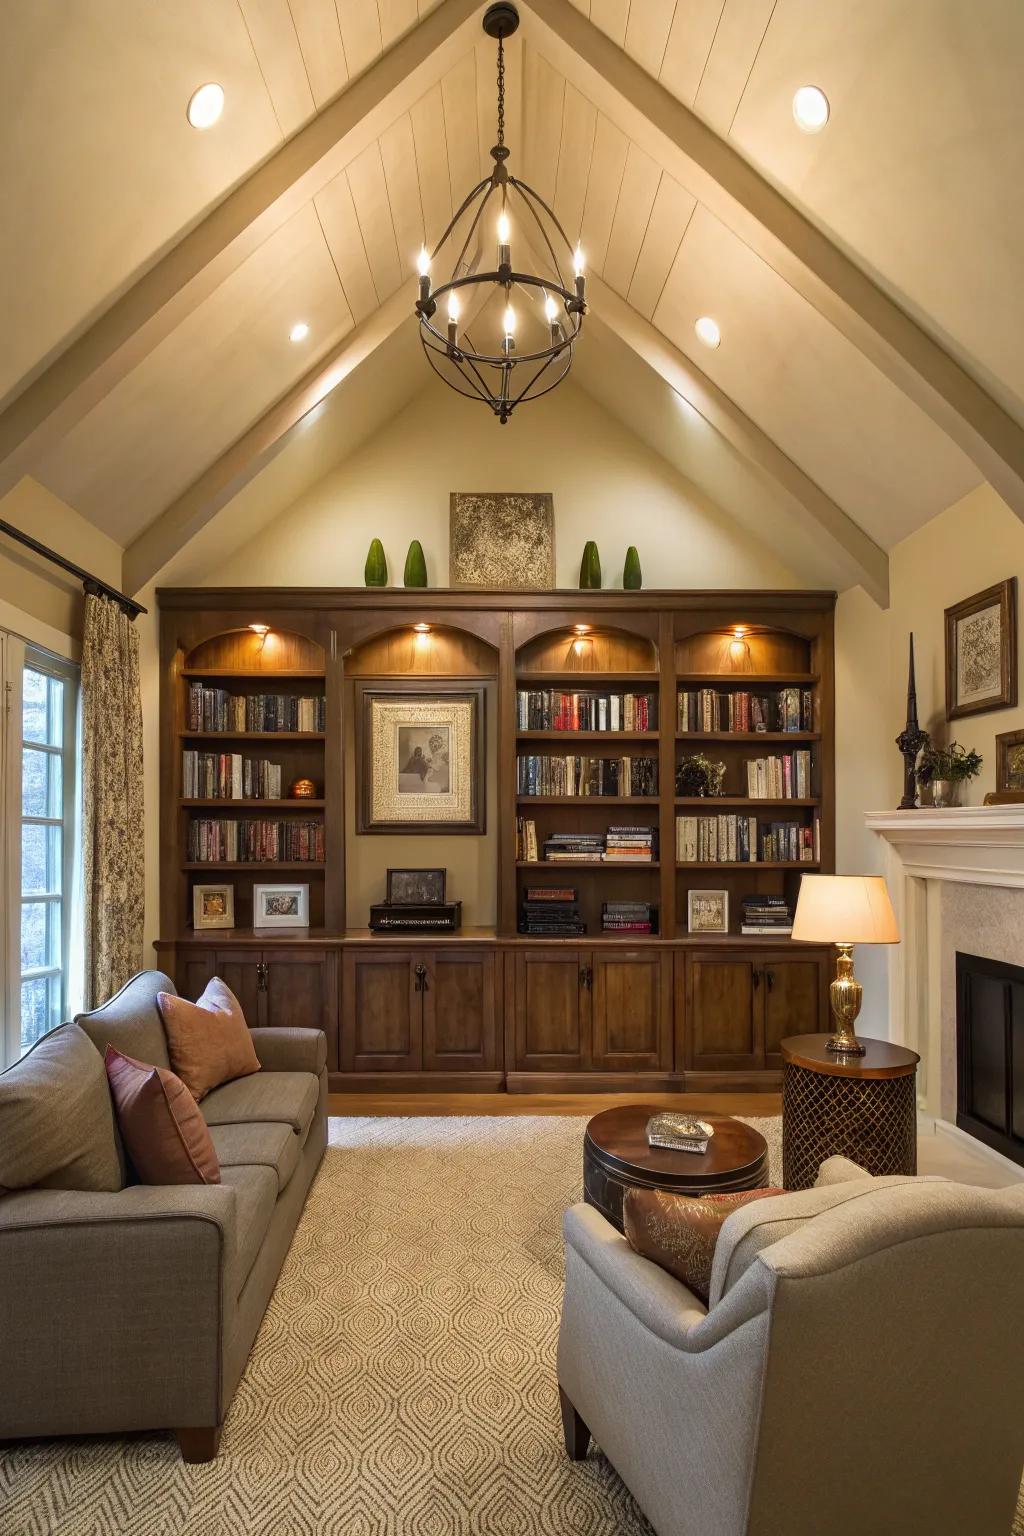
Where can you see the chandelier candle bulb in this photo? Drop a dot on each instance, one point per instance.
(577, 264)
(423, 263)
(453, 318)
(504, 240)
(551, 316)
(510, 328)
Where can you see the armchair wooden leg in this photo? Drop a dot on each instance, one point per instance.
(577, 1435)
(199, 1444)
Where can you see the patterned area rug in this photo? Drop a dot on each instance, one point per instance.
(403, 1381)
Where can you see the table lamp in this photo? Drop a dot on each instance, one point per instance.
(844, 910)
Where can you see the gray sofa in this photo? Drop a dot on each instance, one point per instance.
(857, 1372)
(136, 1310)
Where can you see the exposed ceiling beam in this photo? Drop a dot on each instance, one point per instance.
(860, 557)
(200, 261)
(761, 216)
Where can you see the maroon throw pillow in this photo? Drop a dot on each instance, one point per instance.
(163, 1129)
(679, 1232)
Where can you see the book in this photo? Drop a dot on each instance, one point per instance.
(228, 776)
(549, 774)
(742, 839)
(214, 709)
(678, 1132)
(552, 709)
(255, 841)
(782, 709)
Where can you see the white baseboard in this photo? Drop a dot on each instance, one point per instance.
(929, 1125)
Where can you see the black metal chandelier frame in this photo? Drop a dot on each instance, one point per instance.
(467, 374)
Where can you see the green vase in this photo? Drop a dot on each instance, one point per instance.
(632, 576)
(415, 566)
(590, 567)
(375, 571)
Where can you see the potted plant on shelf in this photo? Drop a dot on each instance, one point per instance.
(945, 769)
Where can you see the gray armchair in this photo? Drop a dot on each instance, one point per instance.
(857, 1372)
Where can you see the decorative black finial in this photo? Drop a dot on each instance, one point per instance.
(911, 740)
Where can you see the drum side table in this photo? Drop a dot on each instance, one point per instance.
(860, 1107)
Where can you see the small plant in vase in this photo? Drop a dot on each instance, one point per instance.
(945, 769)
(699, 778)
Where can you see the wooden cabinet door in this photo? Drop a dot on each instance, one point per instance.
(382, 1019)
(724, 1011)
(795, 998)
(632, 1010)
(300, 991)
(459, 1011)
(239, 969)
(193, 968)
(551, 999)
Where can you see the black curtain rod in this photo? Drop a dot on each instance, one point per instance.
(92, 584)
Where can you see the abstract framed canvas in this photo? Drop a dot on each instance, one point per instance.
(419, 757)
(981, 651)
(502, 539)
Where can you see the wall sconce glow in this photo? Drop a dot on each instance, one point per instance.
(581, 629)
(708, 331)
(205, 105)
(739, 630)
(422, 629)
(810, 108)
(299, 332)
(260, 629)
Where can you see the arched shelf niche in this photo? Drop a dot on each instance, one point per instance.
(422, 650)
(746, 650)
(251, 652)
(599, 649)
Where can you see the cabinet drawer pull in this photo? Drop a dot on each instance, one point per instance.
(756, 979)
(769, 977)
(262, 976)
(421, 978)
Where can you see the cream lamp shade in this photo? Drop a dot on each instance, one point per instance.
(844, 909)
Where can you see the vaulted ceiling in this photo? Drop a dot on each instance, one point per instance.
(865, 278)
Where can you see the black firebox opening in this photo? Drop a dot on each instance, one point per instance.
(990, 1053)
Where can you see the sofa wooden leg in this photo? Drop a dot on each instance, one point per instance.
(577, 1435)
(199, 1444)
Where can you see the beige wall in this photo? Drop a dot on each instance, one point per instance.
(34, 586)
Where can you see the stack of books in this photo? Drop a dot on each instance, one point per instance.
(765, 915)
(256, 842)
(526, 840)
(551, 775)
(629, 917)
(228, 776)
(678, 1132)
(214, 709)
(550, 911)
(788, 709)
(629, 845)
(744, 840)
(574, 848)
(549, 709)
(780, 778)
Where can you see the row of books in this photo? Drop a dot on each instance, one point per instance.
(629, 917)
(246, 841)
(731, 839)
(551, 912)
(229, 776)
(706, 709)
(549, 709)
(765, 915)
(214, 709)
(551, 775)
(780, 778)
(619, 845)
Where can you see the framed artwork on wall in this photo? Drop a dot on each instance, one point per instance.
(502, 539)
(981, 651)
(707, 911)
(420, 758)
(213, 906)
(280, 906)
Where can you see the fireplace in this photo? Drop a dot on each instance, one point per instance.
(990, 1053)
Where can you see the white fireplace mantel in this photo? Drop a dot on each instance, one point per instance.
(975, 844)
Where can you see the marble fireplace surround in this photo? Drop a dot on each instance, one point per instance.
(956, 878)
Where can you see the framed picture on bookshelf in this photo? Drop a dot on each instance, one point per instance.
(981, 651)
(419, 758)
(421, 887)
(213, 906)
(707, 911)
(280, 906)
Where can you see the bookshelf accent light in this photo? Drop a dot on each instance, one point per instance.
(534, 349)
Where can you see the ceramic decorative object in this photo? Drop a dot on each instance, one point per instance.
(415, 566)
(302, 789)
(375, 572)
(590, 567)
(632, 576)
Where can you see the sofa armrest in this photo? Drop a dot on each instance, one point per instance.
(839, 1170)
(291, 1050)
(112, 1308)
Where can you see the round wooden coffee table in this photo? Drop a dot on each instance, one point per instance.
(616, 1157)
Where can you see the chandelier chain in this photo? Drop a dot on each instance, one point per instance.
(501, 92)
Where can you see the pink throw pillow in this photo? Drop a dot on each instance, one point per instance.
(163, 1130)
(208, 1041)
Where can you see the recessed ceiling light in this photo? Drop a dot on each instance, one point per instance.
(299, 332)
(810, 108)
(707, 330)
(206, 105)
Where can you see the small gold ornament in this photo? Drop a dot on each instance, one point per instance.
(303, 789)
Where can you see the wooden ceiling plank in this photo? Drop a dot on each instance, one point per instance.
(360, 32)
(738, 36)
(632, 213)
(337, 214)
(462, 130)
(396, 18)
(718, 176)
(373, 210)
(606, 171)
(316, 22)
(579, 122)
(647, 32)
(543, 95)
(398, 155)
(255, 448)
(673, 207)
(179, 281)
(689, 44)
(611, 16)
(427, 116)
(276, 46)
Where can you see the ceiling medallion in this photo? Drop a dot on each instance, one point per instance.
(540, 316)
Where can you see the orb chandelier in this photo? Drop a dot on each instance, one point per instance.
(540, 316)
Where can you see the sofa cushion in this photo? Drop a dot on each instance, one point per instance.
(255, 1197)
(57, 1119)
(130, 1022)
(262, 1144)
(679, 1232)
(283, 1096)
(166, 1137)
(208, 1040)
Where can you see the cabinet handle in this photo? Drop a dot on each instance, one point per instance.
(756, 979)
(421, 978)
(586, 977)
(262, 976)
(769, 977)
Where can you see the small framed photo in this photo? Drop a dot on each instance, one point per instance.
(424, 887)
(981, 651)
(213, 906)
(707, 911)
(1009, 766)
(280, 906)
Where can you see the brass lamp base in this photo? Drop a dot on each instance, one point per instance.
(845, 994)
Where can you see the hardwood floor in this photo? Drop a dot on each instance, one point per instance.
(546, 1103)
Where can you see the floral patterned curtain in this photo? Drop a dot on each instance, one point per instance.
(112, 807)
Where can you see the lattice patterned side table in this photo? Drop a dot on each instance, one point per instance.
(860, 1107)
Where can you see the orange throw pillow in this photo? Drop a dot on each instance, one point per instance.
(208, 1041)
(161, 1125)
(679, 1232)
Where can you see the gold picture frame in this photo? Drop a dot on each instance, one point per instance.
(981, 651)
(213, 906)
(707, 911)
(419, 758)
